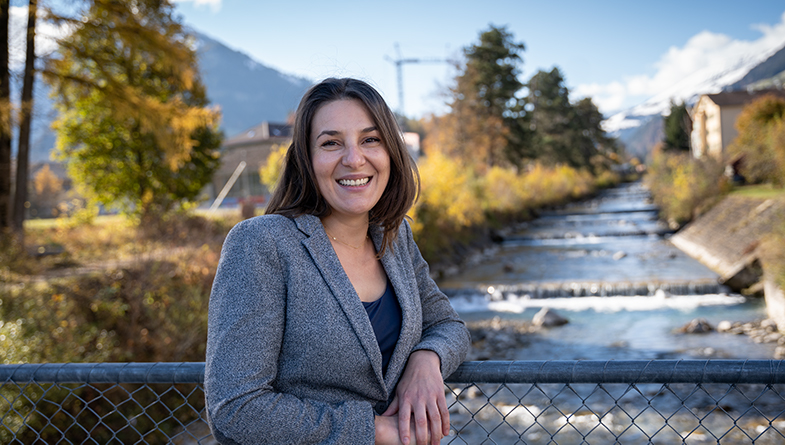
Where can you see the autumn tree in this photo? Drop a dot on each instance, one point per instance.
(761, 140)
(484, 97)
(134, 126)
(677, 126)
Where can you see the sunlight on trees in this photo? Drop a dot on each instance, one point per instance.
(761, 141)
(134, 126)
(272, 169)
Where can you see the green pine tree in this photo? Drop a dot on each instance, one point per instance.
(677, 126)
(484, 97)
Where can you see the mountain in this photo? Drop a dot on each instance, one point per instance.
(640, 127)
(247, 92)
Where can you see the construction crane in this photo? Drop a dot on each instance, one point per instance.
(399, 71)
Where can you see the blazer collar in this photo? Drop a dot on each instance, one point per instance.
(325, 259)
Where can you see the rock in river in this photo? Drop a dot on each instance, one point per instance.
(547, 318)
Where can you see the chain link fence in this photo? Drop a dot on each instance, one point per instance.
(492, 402)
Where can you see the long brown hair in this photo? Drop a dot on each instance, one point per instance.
(297, 192)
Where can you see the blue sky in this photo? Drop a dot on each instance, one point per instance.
(618, 52)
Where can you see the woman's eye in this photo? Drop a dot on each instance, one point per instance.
(373, 140)
(329, 144)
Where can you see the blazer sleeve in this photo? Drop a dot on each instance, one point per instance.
(442, 330)
(245, 330)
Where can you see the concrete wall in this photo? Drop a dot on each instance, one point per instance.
(775, 302)
(726, 238)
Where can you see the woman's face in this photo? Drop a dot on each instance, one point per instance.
(350, 160)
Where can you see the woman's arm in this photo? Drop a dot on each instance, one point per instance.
(245, 334)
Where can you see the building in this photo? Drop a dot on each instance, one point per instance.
(714, 120)
(252, 146)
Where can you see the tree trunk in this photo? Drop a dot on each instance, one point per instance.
(23, 155)
(5, 121)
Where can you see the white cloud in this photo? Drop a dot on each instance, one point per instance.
(704, 52)
(215, 5)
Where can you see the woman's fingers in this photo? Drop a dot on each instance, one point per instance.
(421, 424)
(436, 425)
(445, 414)
(393, 408)
(404, 419)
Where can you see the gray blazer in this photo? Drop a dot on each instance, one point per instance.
(291, 354)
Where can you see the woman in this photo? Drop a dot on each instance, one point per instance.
(324, 325)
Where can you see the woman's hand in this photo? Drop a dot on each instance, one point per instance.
(419, 400)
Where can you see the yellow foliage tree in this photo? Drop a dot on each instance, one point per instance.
(761, 127)
(270, 172)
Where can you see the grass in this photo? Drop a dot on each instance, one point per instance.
(765, 191)
(49, 223)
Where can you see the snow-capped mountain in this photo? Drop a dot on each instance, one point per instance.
(632, 124)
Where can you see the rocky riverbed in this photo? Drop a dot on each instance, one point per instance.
(501, 339)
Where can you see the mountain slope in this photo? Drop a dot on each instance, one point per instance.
(247, 91)
(629, 125)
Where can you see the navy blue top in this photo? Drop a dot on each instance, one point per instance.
(385, 315)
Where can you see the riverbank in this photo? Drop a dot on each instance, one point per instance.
(732, 239)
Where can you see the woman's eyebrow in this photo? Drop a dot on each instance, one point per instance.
(335, 132)
(328, 133)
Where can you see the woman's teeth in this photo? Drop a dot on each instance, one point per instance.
(354, 182)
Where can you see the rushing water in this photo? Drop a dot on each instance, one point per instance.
(607, 266)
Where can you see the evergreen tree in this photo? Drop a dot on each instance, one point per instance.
(550, 118)
(677, 127)
(134, 127)
(484, 98)
(593, 147)
(563, 132)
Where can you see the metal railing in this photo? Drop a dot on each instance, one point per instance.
(529, 402)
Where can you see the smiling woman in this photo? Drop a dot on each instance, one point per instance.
(324, 324)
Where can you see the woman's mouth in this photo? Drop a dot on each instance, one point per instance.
(354, 182)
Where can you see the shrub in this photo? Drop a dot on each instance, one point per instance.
(684, 187)
(761, 141)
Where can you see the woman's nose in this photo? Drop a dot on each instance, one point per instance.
(354, 156)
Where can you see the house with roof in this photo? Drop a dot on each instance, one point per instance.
(251, 146)
(714, 120)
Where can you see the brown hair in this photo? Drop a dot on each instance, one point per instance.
(297, 192)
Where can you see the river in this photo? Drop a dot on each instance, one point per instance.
(607, 266)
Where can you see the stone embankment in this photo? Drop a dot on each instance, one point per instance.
(728, 239)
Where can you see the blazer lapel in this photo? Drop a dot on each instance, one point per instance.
(329, 266)
(392, 263)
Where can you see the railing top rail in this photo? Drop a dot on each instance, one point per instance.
(522, 371)
(184, 372)
(621, 371)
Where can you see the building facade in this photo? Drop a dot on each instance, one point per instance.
(252, 146)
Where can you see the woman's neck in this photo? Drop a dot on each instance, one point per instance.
(350, 232)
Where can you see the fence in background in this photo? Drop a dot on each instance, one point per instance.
(529, 402)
